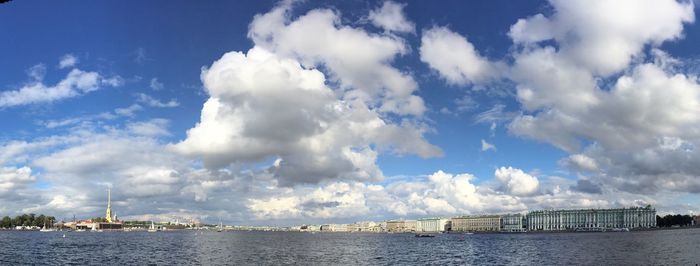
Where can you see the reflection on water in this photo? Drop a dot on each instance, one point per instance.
(675, 247)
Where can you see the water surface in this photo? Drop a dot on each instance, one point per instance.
(665, 247)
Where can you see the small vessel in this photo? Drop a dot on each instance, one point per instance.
(79, 230)
(221, 227)
(425, 235)
(152, 229)
(46, 229)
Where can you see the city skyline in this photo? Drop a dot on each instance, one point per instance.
(308, 112)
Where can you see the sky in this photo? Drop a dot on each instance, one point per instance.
(297, 112)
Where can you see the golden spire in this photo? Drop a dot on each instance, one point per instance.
(108, 215)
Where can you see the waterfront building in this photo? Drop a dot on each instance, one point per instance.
(477, 223)
(400, 226)
(591, 219)
(367, 226)
(334, 228)
(311, 228)
(432, 225)
(513, 223)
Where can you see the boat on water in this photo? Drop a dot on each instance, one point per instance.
(46, 229)
(221, 227)
(425, 235)
(79, 230)
(152, 229)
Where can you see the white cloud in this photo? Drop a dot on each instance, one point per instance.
(155, 84)
(67, 61)
(580, 162)
(154, 127)
(485, 146)
(128, 111)
(37, 72)
(11, 178)
(517, 182)
(253, 95)
(76, 83)
(455, 58)
(390, 17)
(318, 38)
(583, 77)
(152, 102)
(603, 36)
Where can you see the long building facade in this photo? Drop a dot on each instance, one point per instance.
(513, 223)
(591, 219)
(400, 226)
(432, 225)
(478, 223)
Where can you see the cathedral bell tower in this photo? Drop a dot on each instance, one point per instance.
(108, 215)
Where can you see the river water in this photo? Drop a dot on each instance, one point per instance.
(664, 247)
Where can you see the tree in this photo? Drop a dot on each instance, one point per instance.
(6, 222)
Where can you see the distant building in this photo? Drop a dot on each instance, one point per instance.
(311, 228)
(477, 223)
(696, 220)
(432, 225)
(400, 226)
(591, 219)
(513, 223)
(334, 228)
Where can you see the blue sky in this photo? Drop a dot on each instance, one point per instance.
(572, 136)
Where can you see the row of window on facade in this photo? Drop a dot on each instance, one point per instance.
(549, 220)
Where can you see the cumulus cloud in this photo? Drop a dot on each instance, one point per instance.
(318, 38)
(67, 61)
(587, 85)
(255, 95)
(437, 194)
(603, 36)
(390, 17)
(76, 83)
(12, 178)
(517, 182)
(455, 58)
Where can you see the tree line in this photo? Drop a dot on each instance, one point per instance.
(27, 220)
(671, 220)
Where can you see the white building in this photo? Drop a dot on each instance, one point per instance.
(591, 219)
(334, 227)
(432, 225)
(513, 223)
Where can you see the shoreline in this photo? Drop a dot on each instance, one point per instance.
(329, 232)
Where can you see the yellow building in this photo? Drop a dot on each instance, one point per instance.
(400, 226)
(477, 223)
